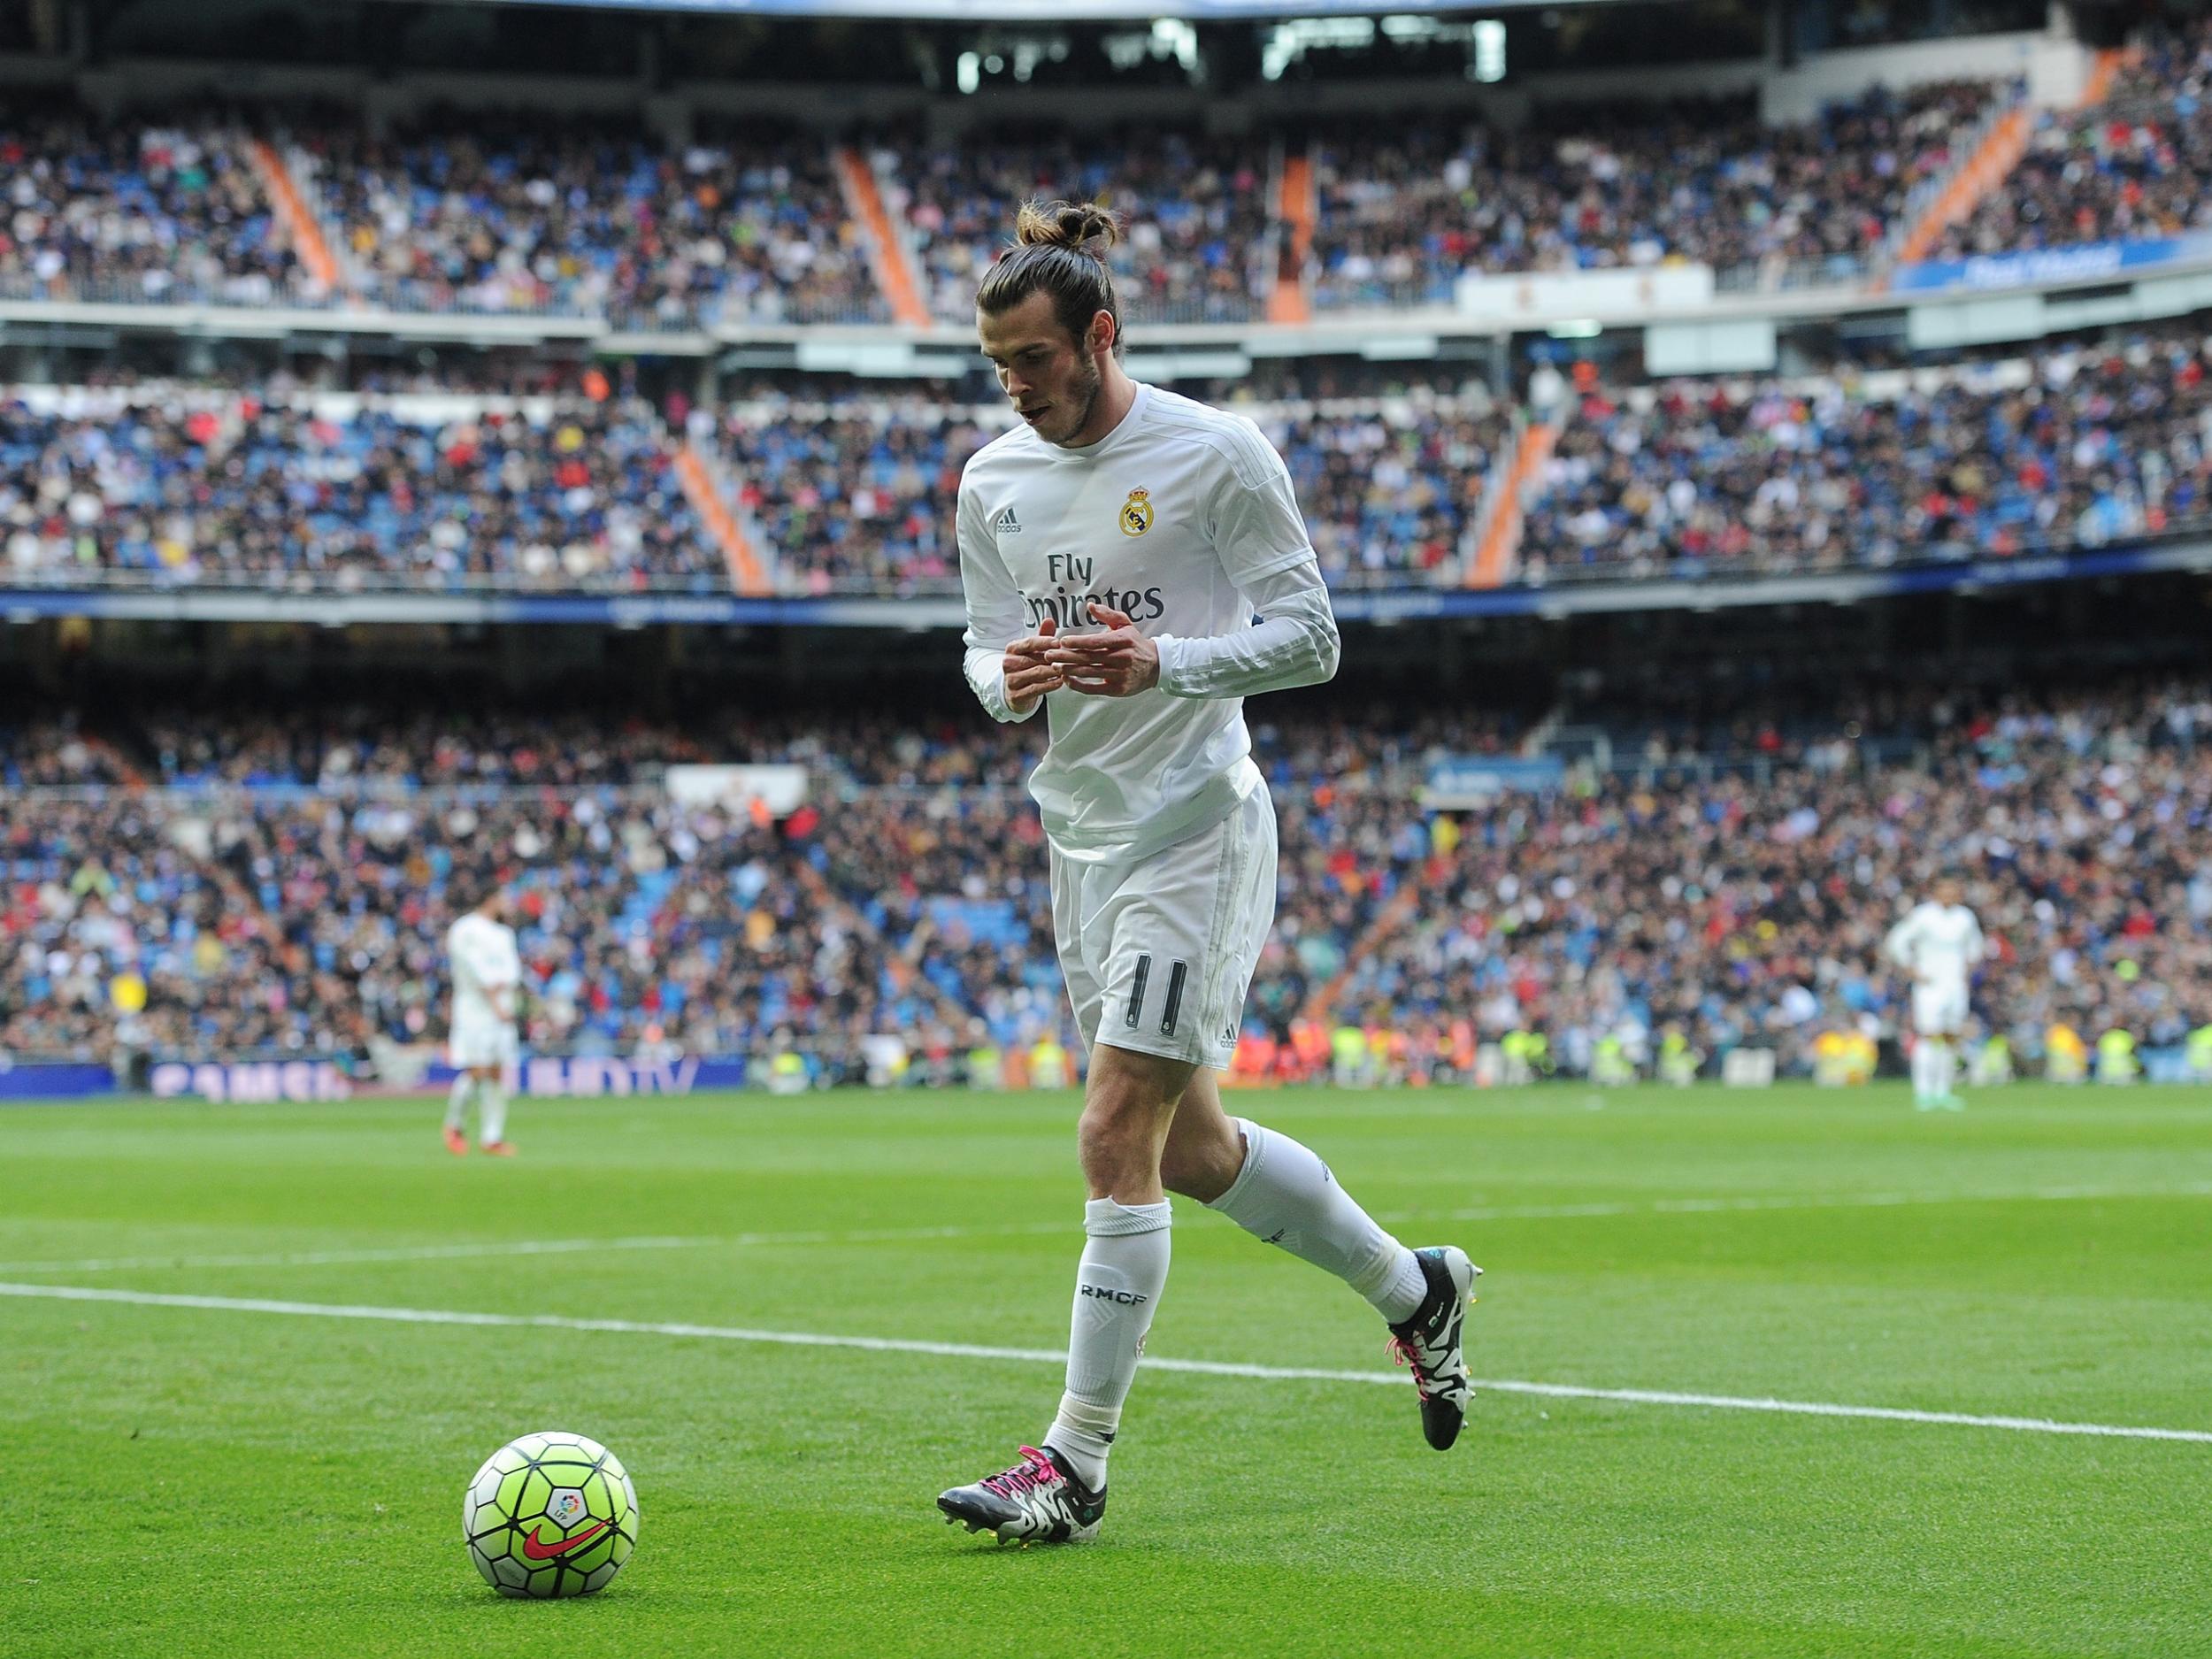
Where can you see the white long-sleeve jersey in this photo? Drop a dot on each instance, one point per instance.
(1940, 942)
(1184, 518)
(486, 963)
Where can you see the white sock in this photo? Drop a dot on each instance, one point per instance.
(494, 1099)
(457, 1100)
(1284, 1194)
(1118, 1289)
(1940, 1070)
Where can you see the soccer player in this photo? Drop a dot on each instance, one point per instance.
(483, 1044)
(1114, 549)
(1937, 943)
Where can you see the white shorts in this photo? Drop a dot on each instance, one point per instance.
(482, 1042)
(1158, 951)
(1938, 1010)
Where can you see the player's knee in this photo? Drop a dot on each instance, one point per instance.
(1118, 1133)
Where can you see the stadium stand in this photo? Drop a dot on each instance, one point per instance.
(135, 212)
(284, 894)
(2130, 167)
(1196, 207)
(2077, 446)
(516, 218)
(523, 216)
(1403, 212)
(183, 485)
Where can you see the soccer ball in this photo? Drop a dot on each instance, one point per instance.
(550, 1515)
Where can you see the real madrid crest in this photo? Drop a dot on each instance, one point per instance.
(1136, 513)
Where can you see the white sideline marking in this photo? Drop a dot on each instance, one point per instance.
(1053, 1356)
(1796, 1201)
(521, 1246)
(486, 1249)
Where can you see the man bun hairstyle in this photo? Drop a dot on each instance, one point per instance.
(1059, 249)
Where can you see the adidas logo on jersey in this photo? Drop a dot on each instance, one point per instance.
(1006, 523)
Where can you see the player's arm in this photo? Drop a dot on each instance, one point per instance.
(1261, 540)
(1903, 943)
(1005, 662)
(495, 973)
(505, 989)
(1260, 537)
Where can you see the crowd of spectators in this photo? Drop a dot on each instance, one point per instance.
(1737, 899)
(2077, 447)
(503, 216)
(1196, 233)
(506, 212)
(857, 494)
(136, 211)
(1405, 209)
(372, 748)
(185, 485)
(860, 494)
(2129, 168)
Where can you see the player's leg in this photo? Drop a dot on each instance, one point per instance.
(491, 1091)
(1926, 1017)
(456, 1108)
(1127, 1105)
(506, 1053)
(1058, 1494)
(1265, 1182)
(1280, 1193)
(1943, 1068)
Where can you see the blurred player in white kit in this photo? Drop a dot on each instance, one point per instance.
(484, 1045)
(1937, 943)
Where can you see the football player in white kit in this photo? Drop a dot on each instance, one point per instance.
(1937, 943)
(1114, 549)
(483, 1046)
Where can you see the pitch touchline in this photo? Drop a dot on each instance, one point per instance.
(518, 1246)
(481, 1249)
(1795, 1201)
(1050, 1357)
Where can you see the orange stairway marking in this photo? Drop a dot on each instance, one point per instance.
(706, 499)
(291, 211)
(1989, 166)
(1295, 207)
(1999, 154)
(2102, 74)
(895, 277)
(1501, 536)
(1397, 910)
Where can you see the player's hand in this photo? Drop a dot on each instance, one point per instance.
(1119, 662)
(1028, 675)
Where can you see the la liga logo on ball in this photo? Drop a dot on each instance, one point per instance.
(550, 1515)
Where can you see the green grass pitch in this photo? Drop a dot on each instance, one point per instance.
(187, 1479)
